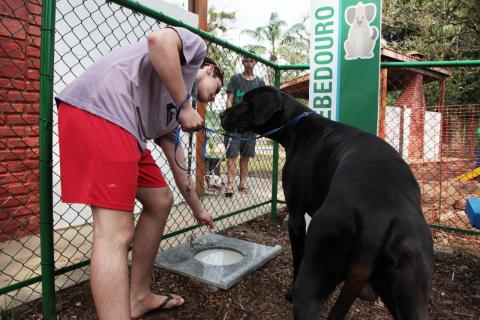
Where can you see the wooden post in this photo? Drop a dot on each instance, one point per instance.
(441, 109)
(200, 7)
(383, 102)
(441, 94)
(402, 124)
(443, 131)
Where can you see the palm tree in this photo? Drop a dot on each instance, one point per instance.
(295, 44)
(281, 43)
(270, 34)
(218, 23)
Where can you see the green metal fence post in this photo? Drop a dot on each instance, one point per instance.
(46, 202)
(275, 161)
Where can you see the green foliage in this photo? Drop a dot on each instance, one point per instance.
(218, 23)
(212, 119)
(441, 30)
(281, 43)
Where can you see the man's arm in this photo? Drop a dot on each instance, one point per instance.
(230, 96)
(180, 176)
(165, 48)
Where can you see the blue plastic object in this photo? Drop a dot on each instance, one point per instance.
(473, 211)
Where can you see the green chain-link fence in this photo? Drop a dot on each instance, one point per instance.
(421, 116)
(86, 30)
(439, 140)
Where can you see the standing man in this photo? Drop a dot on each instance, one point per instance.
(106, 116)
(238, 85)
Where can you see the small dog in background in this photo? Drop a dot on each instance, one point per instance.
(214, 182)
(361, 37)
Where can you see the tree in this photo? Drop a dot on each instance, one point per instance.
(441, 30)
(282, 44)
(295, 45)
(271, 34)
(218, 23)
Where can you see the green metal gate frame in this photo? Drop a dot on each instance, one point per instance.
(48, 271)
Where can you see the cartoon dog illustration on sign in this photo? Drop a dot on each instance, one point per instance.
(361, 36)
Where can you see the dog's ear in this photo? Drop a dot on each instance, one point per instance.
(264, 102)
(370, 11)
(350, 14)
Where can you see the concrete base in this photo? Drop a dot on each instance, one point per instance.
(181, 260)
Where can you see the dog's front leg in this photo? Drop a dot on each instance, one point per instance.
(296, 231)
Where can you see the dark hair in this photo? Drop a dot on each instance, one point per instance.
(248, 57)
(217, 71)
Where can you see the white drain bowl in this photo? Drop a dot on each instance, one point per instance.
(218, 256)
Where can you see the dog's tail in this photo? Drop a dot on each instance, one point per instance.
(356, 283)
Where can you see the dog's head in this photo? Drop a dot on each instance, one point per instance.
(360, 15)
(261, 109)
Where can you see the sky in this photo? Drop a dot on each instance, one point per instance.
(252, 13)
(255, 13)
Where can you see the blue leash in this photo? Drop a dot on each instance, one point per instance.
(293, 121)
(177, 131)
(264, 135)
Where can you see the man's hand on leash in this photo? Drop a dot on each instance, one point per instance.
(204, 218)
(189, 119)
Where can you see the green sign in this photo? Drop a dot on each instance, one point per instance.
(345, 61)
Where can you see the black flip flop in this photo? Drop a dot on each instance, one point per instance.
(161, 308)
(228, 193)
(244, 189)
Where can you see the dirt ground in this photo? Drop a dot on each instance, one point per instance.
(455, 294)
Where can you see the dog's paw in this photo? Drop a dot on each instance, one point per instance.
(289, 295)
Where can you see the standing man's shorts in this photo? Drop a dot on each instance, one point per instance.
(102, 164)
(244, 146)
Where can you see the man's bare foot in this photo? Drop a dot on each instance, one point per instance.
(154, 302)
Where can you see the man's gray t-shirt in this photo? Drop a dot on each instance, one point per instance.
(124, 88)
(239, 86)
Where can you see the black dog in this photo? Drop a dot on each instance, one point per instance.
(367, 225)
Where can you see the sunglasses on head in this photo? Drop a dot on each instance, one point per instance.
(217, 68)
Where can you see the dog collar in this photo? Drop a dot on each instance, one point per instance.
(291, 122)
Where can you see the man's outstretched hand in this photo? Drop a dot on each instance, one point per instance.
(204, 218)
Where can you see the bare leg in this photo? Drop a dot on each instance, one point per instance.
(243, 171)
(157, 203)
(112, 234)
(231, 164)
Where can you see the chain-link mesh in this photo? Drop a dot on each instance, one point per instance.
(431, 116)
(85, 31)
(433, 122)
(423, 114)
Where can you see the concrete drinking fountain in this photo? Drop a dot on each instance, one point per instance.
(216, 260)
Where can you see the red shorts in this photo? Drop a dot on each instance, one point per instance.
(102, 164)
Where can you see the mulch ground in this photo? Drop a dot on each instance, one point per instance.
(455, 294)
